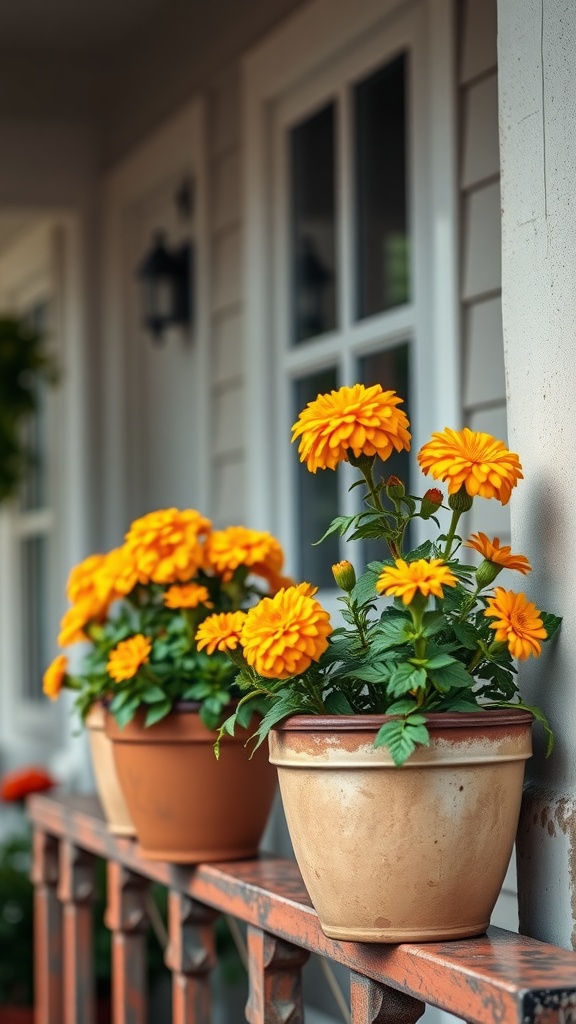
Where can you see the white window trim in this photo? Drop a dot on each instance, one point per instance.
(47, 263)
(280, 64)
(178, 146)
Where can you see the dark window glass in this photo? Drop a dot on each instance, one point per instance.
(36, 642)
(317, 497)
(390, 369)
(313, 226)
(381, 218)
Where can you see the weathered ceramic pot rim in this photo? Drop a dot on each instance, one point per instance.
(437, 720)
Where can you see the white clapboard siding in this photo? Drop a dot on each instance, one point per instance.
(226, 358)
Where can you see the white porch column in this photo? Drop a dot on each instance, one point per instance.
(537, 81)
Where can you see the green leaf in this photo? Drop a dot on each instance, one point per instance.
(467, 634)
(402, 707)
(152, 695)
(392, 630)
(433, 622)
(338, 704)
(338, 525)
(440, 661)
(157, 712)
(126, 713)
(453, 676)
(402, 736)
(406, 677)
(551, 623)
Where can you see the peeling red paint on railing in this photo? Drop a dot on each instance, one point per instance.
(498, 978)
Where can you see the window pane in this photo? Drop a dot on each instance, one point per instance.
(381, 221)
(35, 639)
(313, 226)
(317, 497)
(391, 370)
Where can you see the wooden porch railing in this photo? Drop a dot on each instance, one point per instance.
(499, 978)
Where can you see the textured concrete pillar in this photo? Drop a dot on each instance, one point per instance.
(537, 84)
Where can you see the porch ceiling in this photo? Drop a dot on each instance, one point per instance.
(59, 24)
(120, 65)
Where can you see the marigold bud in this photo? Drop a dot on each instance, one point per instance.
(461, 501)
(395, 488)
(431, 502)
(344, 575)
(487, 572)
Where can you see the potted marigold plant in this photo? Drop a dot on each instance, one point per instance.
(152, 699)
(399, 736)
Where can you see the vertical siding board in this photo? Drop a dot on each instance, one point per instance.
(226, 384)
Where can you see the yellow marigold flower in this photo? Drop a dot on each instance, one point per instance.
(128, 656)
(237, 545)
(277, 582)
(404, 579)
(364, 421)
(473, 460)
(54, 676)
(517, 623)
(189, 595)
(492, 552)
(73, 623)
(220, 632)
(284, 634)
(167, 546)
(80, 585)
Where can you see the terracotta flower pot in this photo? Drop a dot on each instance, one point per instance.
(416, 853)
(187, 806)
(105, 775)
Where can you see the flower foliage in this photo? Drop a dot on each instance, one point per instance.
(422, 630)
(140, 605)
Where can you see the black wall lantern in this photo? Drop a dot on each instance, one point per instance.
(166, 278)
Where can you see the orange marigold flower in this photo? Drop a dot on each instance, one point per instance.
(237, 545)
(21, 783)
(128, 656)
(284, 634)
(54, 676)
(167, 546)
(492, 552)
(116, 576)
(189, 595)
(73, 624)
(517, 623)
(80, 585)
(220, 632)
(404, 579)
(473, 460)
(357, 420)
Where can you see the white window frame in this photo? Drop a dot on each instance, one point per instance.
(348, 41)
(45, 265)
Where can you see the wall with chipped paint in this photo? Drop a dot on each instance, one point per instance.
(537, 110)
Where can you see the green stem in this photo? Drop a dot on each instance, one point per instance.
(368, 475)
(451, 534)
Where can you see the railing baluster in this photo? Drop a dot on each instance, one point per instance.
(275, 974)
(191, 955)
(128, 921)
(371, 1003)
(76, 889)
(47, 930)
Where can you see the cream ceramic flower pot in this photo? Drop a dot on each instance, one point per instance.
(416, 853)
(106, 776)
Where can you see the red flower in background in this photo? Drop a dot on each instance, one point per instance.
(21, 783)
